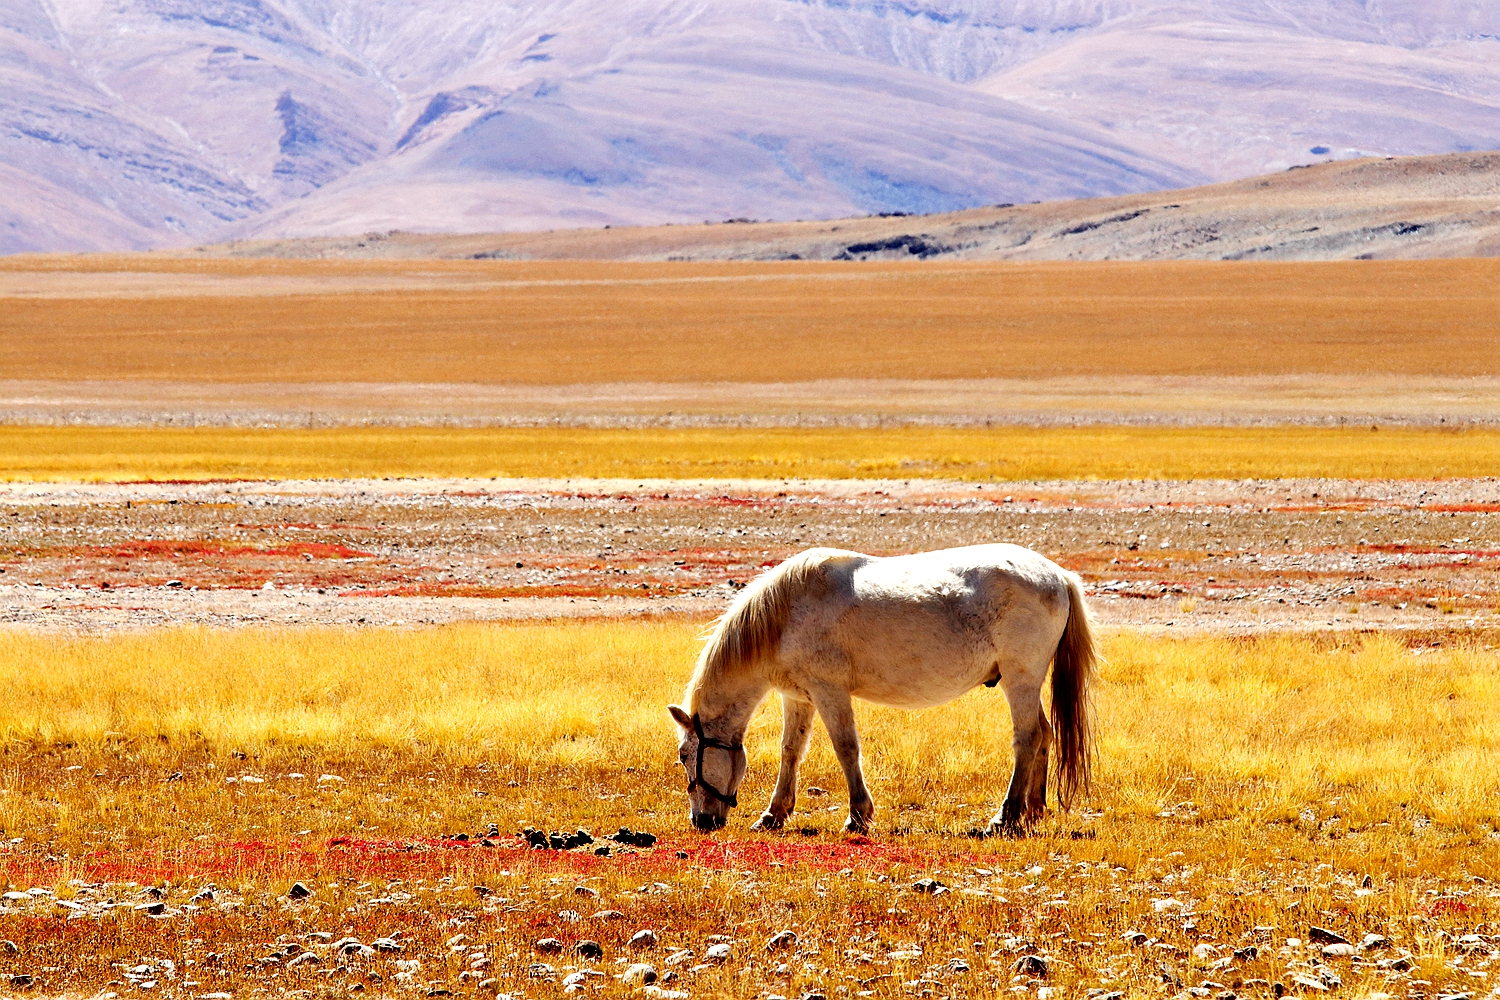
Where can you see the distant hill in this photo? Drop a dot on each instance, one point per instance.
(1408, 207)
(159, 123)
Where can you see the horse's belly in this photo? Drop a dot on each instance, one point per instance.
(917, 661)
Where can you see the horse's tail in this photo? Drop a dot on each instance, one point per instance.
(751, 629)
(1072, 670)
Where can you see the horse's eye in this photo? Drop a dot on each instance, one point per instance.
(682, 756)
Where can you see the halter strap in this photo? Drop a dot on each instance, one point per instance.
(705, 742)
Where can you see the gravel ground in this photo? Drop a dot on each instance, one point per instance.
(1221, 556)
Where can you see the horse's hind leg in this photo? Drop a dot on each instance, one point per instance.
(838, 715)
(1036, 794)
(1032, 736)
(796, 727)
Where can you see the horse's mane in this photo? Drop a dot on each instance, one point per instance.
(751, 628)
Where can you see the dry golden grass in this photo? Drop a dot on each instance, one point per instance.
(579, 322)
(1004, 453)
(1245, 790)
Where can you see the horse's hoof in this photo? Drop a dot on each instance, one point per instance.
(856, 825)
(768, 821)
(1008, 828)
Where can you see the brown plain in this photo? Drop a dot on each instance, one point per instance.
(145, 317)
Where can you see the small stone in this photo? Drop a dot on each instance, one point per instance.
(583, 890)
(781, 940)
(678, 957)
(639, 974)
(540, 970)
(958, 965)
(930, 885)
(1309, 983)
(602, 851)
(816, 792)
(1338, 950)
(1322, 935)
(589, 949)
(548, 945)
(1133, 938)
(203, 896)
(719, 953)
(22, 981)
(569, 916)
(299, 891)
(306, 958)
(1031, 965)
(609, 915)
(1203, 951)
(643, 939)
(385, 944)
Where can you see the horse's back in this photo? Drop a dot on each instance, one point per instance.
(922, 629)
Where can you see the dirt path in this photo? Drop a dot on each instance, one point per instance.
(1217, 556)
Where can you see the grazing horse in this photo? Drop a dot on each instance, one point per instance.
(910, 631)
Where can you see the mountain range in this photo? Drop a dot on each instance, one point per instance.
(127, 124)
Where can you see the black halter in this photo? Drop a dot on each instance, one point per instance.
(704, 742)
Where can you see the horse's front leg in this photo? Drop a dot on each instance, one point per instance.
(796, 727)
(838, 716)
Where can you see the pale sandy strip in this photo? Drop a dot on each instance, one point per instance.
(1175, 400)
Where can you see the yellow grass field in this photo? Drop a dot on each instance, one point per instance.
(149, 318)
(1002, 453)
(1246, 792)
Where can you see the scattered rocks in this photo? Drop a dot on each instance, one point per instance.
(609, 915)
(678, 957)
(583, 890)
(298, 891)
(589, 949)
(22, 981)
(1309, 983)
(353, 946)
(643, 939)
(929, 885)
(386, 944)
(1133, 938)
(1031, 965)
(958, 966)
(1372, 941)
(542, 841)
(306, 958)
(633, 839)
(1343, 950)
(1322, 935)
(548, 945)
(639, 974)
(719, 953)
(781, 940)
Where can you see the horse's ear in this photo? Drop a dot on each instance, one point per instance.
(683, 719)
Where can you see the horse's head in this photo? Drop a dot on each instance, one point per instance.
(714, 768)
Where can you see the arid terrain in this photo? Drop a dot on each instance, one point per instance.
(340, 603)
(1383, 208)
(1205, 556)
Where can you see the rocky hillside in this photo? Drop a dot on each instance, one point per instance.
(1431, 206)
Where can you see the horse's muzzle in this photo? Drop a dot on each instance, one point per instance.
(708, 821)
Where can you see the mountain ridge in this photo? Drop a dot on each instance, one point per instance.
(144, 123)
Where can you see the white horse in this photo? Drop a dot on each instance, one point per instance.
(911, 631)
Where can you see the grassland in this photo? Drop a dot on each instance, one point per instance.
(148, 318)
(1001, 453)
(1245, 791)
